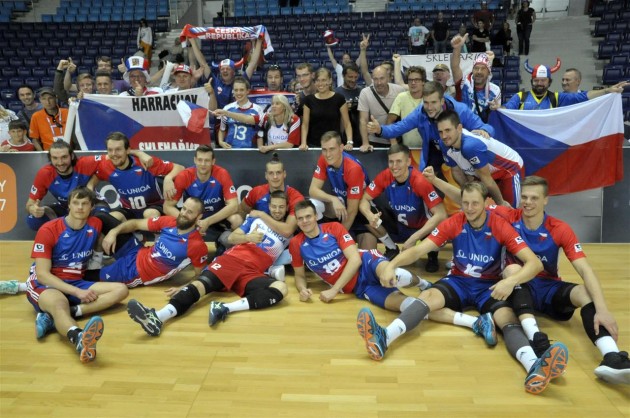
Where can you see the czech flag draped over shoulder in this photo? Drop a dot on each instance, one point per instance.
(575, 148)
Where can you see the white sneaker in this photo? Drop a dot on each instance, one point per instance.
(277, 272)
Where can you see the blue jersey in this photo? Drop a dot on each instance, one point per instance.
(428, 128)
(69, 250)
(348, 181)
(477, 100)
(478, 253)
(273, 243)
(323, 254)
(138, 188)
(213, 192)
(222, 91)
(533, 103)
(239, 134)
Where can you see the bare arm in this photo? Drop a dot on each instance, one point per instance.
(239, 117)
(253, 62)
(457, 42)
(445, 187)
(398, 78)
(531, 266)
(617, 88)
(170, 207)
(438, 213)
(306, 120)
(199, 57)
(364, 118)
(131, 225)
(486, 178)
(212, 98)
(286, 228)
(351, 268)
(238, 236)
(301, 285)
(365, 70)
(352, 208)
(331, 56)
(345, 121)
(230, 208)
(43, 268)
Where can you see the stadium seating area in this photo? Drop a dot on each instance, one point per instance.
(244, 8)
(108, 10)
(8, 8)
(614, 26)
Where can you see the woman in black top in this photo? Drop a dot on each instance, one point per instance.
(504, 38)
(525, 19)
(480, 37)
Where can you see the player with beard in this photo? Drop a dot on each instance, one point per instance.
(178, 245)
(241, 270)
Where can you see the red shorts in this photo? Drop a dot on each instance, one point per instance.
(239, 266)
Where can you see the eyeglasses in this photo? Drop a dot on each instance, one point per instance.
(415, 80)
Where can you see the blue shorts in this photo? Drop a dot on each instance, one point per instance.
(123, 270)
(403, 233)
(368, 285)
(543, 291)
(471, 292)
(34, 289)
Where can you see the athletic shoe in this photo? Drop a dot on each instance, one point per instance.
(218, 311)
(276, 272)
(433, 264)
(484, 327)
(146, 317)
(44, 323)
(9, 287)
(390, 253)
(86, 347)
(373, 334)
(614, 368)
(551, 365)
(540, 343)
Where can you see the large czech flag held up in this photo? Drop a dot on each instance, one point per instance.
(575, 148)
(150, 122)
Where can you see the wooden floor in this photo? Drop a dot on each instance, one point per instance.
(296, 360)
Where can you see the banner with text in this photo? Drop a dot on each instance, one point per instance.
(429, 62)
(150, 122)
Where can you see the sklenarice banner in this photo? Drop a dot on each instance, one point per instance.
(150, 122)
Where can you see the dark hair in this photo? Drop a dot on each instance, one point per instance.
(306, 203)
(61, 144)
(350, 67)
(419, 70)
(242, 80)
(118, 136)
(18, 124)
(104, 58)
(275, 159)
(24, 86)
(274, 67)
(204, 148)
(279, 194)
(305, 65)
(449, 115)
(82, 192)
(102, 74)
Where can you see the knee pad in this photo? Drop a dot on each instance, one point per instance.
(185, 298)
(211, 283)
(264, 298)
(522, 301)
(109, 222)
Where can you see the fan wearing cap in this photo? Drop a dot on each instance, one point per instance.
(474, 89)
(441, 74)
(48, 124)
(183, 76)
(137, 75)
(540, 97)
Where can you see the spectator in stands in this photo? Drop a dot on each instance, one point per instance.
(346, 60)
(137, 75)
(280, 126)
(571, 80)
(483, 15)
(48, 124)
(295, 86)
(463, 30)
(407, 101)
(503, 37)
(239, 120)
(305, 75)
(441, 74)
(6, 117)
(26, 94)
(324, 111)
(104, 83)
(18, 141)
(417, 37)
(525, 18)
(474, 88)
(274, 78)
(222, 83)
(374, 103)
(183, 76)
(145, 40)
(539, 97)
(351, 92)
(86, 84)
(440, 34)
(104, 63)
(480, 38)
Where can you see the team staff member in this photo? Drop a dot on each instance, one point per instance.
(48, 124)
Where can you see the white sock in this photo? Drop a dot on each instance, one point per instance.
(606, 345)
(238, 305)
(166, 313)
(78, 312)
(530, 326)
(22, 287)
(395, 330)
(464, 320)
(389, 243)
(526, 356)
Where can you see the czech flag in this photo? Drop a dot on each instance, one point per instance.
(193, 115)
(575, 148)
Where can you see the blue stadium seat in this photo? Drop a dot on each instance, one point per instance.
(612, 75)
(606, 50)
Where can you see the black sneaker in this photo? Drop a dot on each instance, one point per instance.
(540, 343)
(390, 253)
(433, 264)
(614, 368)
(218, 312)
